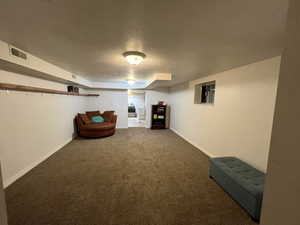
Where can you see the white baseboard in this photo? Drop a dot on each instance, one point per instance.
(25, 170)
(193, 143)
(22, 172)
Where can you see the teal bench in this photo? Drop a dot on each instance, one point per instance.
(244, 183)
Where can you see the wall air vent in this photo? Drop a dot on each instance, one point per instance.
(18, 53)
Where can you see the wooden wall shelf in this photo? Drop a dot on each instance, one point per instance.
(15, 87)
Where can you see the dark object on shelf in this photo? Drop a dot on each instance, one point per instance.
(159, 117)
(70, 88)
(85, 127)
(243, 182)
(73, 89)
(18, 53)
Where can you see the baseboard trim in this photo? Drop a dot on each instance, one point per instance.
(192, 143)
(25, 170)
(22, 172)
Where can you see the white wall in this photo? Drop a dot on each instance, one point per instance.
(37, 64)
(36, 125)
(138, 100)
(282, 188)
(116, 100)
(240, 121)
(3, 214)
(152, 97)
(33, 125)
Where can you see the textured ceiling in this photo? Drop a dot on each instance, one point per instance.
(189, 38)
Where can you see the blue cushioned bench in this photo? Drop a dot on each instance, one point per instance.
(243, 182)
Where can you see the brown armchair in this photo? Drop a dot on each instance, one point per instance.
(86, 128)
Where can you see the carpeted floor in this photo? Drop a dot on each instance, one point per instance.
(137, 177)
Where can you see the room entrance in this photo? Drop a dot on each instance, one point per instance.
(136, 108)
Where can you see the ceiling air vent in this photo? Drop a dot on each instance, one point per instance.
(18, 53)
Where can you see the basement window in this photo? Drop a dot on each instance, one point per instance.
(205, 93)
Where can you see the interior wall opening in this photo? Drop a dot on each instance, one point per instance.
(136, 108)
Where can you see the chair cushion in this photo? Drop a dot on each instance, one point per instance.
(84, 118)
(245, 175)
(99, 126)
(108, 116)
(90, 114)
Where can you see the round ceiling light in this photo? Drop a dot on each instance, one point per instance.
(134, 57)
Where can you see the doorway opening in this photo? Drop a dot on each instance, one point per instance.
(136, 108)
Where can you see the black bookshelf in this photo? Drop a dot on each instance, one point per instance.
(158, 116)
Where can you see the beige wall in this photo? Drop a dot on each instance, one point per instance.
(37, 64)
(116, 100)
(239, 123)
(33, 125)
(3, 216)
(36, 125)
(282, 190)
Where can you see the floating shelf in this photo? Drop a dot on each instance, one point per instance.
(15, 87)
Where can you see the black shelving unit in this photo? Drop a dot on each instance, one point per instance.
(158, 116)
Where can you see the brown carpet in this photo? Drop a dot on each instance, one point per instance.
(137, 177)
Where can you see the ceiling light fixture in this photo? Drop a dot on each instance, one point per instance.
(134, 57)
